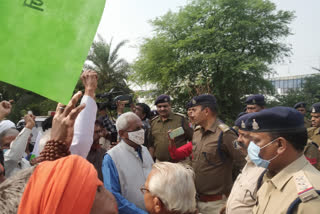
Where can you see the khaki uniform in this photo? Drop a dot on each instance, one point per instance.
(314, 134)
(213, 176)
(158, 137)
(277, 193)
(244, 191)
(307, 123)
(312, 154)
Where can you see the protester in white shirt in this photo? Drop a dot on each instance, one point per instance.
(14, 145)
(84, 124)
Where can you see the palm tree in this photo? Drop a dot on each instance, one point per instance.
(111, 69)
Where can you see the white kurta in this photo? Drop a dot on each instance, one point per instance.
(13, 158)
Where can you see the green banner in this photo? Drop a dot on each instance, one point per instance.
(44, 43)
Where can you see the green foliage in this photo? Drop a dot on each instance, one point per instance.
(223, 47)
(112, 70)
(25, 101)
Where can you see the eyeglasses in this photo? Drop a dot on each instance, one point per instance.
(143, 189)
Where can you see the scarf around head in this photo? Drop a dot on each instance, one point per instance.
(67, 185)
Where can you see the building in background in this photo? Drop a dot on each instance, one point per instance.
(283, 85)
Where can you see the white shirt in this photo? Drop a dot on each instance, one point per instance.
(13, 158)
(244, 191)
(84, 128)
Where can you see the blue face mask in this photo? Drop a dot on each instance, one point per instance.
(253, 152)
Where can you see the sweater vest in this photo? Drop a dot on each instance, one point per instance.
(132, 171)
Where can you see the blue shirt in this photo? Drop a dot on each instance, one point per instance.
(112, 183)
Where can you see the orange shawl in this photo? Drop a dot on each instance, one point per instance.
(67, 185)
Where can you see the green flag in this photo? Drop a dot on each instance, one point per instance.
(44, 43)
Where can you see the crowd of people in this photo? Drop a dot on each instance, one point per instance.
(85, 161)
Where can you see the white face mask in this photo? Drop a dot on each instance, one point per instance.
(137, 136)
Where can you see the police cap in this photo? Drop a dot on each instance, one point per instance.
(240, 122)
(203, 99)
(163, 98)
(315, 108)
(276, 119)
(257, 99)
(300, 105)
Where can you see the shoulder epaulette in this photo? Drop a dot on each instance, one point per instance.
(224, 127)
(155, 118)
(197, 128)
(305, 190)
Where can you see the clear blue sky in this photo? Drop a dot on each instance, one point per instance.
(128, 20)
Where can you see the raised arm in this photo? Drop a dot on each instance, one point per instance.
(84, 124)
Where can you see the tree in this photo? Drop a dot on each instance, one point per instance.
(112, 70)
(223, 47)
(24, 101)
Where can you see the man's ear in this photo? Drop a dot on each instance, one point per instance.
(283, 144)
(157, 205)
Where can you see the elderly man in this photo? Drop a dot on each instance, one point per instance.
(126, 166)
(14, 145)
(301, 107)
(213, 154)
(255, 103)
(170, 189)
(160, 125)
(277, 141)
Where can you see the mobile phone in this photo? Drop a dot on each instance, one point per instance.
(176, 132)
(30, 112)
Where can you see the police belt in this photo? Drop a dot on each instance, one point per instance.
(207, 198)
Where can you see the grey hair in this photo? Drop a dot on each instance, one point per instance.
(8, 132)
(174, 184)
(124, 120)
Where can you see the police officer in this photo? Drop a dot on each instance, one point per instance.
(161, 124)
(314, 131)
(301, 107)
(244, 191)
(278, 138)
(213, 154)
(255, 103)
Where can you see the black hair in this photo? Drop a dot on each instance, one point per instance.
(98, 123)
(297, 139)
(47, 123)
(213, 107)
(146, 109)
